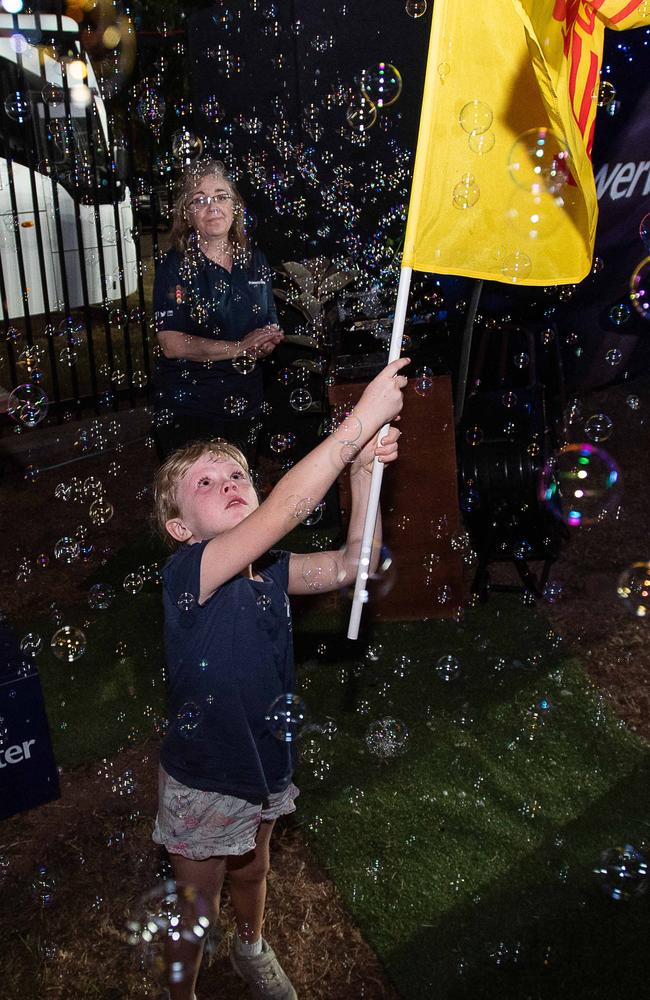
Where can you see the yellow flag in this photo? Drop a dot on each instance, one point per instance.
(503, 187)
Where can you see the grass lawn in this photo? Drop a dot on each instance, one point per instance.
(467, 858)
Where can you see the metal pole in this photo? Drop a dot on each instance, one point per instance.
(360, 588)
(466, 348)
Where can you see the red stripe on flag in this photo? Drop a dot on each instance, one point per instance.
(622, 14)
(590, 142)
(576, 52)
(588, 93)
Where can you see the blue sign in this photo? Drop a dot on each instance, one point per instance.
(28, 772)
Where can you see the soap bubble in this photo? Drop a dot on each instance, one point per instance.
(133, 583)
(633, 402)
(27, 404)
(54, 96)
(424, 381)
(169, 922)
(263, 602)
(622, 873)
(150, 107)
(516, 266)
(93, 487)
(387, 738)
(481, 142)
(381, 84)
(18, 107)
(640, 288)
(100, 511)
(613, 356)
(279, 443)
(474, 436)
(31, 644)
(287, 717)
(189, 719)
(64, 136)
(606, 93)
(361, 114)
(598, 427)
(314, 515)
(633, 588)
(235, 405)
(43, 886)
(476, 117)
(320, 572)
(534, 216)
(416, 8)
(211, 109)
(580, 484)
(448, 667)
(348, 431)
(300, 399)
(460, 541)
(101, 596)
(186, 603)
(68, 643)
(539, 162)
(644, 230)
(186, 146)
(620, 313)
(67, 549)
(466, 193)
(244, 363)
(349, 453)
(553, 591)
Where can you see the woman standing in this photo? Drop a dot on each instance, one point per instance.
(215, 317)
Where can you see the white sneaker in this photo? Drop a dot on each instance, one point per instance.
(265, 976)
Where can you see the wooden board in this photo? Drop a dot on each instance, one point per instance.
(419, 509)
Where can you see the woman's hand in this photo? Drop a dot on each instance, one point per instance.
(385, 450)
(260, 342)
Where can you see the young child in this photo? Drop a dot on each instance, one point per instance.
(225, 777)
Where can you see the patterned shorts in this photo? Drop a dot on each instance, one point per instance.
(202, 825)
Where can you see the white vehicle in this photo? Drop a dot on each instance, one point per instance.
(82, 188)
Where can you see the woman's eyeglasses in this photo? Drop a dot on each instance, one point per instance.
(203, 200)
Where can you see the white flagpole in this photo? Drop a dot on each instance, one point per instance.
(361, 584)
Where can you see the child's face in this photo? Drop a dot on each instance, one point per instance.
(214, 495)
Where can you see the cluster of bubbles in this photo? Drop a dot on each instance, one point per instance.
(379, 87)
(169, 923)
(387, 738)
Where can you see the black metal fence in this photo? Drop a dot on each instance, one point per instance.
(73, 276)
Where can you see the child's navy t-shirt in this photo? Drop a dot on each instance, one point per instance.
(228, 660)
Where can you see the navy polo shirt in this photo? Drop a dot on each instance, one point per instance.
(194, 295)
(227, 661)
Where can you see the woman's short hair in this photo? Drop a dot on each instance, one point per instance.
(175, 467)
(181, 231)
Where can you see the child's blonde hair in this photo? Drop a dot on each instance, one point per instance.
(172, 471)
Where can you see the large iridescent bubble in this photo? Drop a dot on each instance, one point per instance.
(580, 484)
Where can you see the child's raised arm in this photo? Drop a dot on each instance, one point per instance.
(305, 485)
(318, 572)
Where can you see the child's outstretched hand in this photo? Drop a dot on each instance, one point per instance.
(385, 450)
